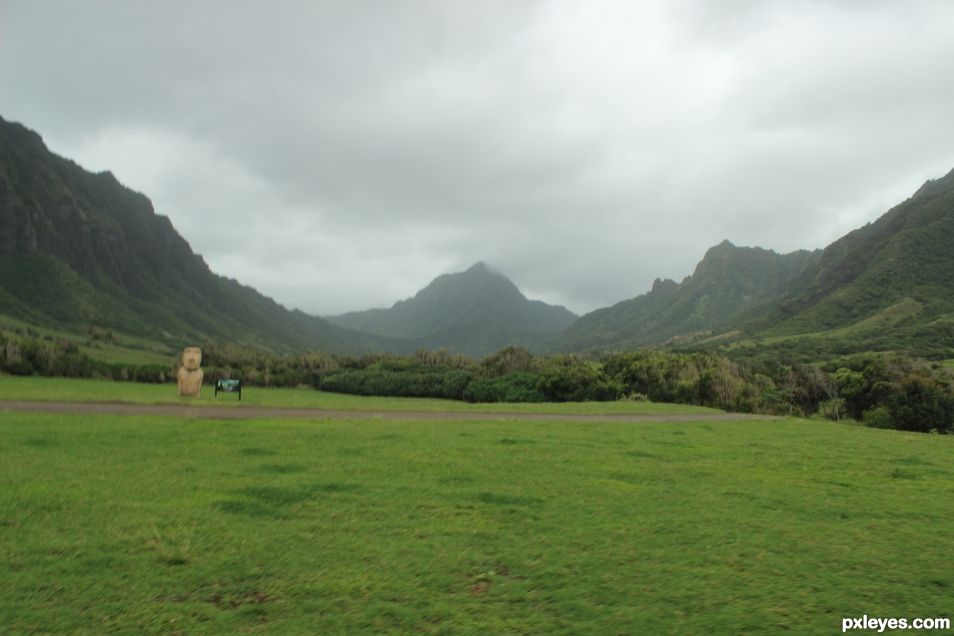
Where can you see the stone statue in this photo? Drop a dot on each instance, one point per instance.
(190, 375)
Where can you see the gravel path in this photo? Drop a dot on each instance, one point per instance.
(259, 412)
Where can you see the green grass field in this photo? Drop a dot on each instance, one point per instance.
(67, 389)
(171, 525)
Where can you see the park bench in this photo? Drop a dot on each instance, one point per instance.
(229, 386)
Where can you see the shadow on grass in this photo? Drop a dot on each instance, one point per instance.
(498, 499)
(276, 501)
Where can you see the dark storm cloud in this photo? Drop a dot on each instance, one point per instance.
(339, 155)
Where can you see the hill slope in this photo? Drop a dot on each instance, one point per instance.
(80, 249)
(889, 284)
(475, 312)
(728, 281)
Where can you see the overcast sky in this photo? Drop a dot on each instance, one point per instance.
(338, 156)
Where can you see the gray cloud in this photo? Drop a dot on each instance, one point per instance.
(339, 155)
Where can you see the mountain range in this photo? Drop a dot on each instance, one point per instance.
(887, 285)
(727, 283)
(79, 250)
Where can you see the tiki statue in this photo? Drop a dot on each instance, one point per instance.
(190, 375)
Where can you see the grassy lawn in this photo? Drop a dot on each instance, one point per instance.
(67, 389)
(159, 524)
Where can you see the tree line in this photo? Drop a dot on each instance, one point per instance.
(889, 391)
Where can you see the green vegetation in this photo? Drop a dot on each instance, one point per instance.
(84, 250)
(510, 375)
(917, 395)
(903, 257)
(104, 345)
(193, 526)
(884, 287)
(475, 312)
(727, 282)
(83, 390)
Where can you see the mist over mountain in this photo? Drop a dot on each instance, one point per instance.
(475, 312)
(80, 249)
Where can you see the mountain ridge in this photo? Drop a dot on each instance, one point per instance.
(886, 285)
(727, 281)
(79, 249)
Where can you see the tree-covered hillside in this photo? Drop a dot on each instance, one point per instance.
(728, 281)
(905, 256)
(79, 249)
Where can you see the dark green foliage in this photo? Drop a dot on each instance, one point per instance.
(508, 360)
(878, 417)
(922, 406)
(513, 387)
(375, 381)
(568, 379)
(894, 392)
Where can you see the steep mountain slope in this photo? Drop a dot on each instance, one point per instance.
(475, 312)
(79, 249)
(891, 280)
(886, 286)
(728, 281)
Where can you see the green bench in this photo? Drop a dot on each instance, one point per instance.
(229, 386)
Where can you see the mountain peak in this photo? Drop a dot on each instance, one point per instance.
(476, 312)
(481, 267)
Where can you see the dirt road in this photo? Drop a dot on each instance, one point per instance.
(261, 413)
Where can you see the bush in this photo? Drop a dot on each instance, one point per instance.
(370, 381)
(878, 417)
(568, 379)
(515, 387)
(923, 407)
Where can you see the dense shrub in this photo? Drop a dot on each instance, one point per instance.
(922, 406)
(568, 379)
(449, 385)
(878, 417)
(514, 387)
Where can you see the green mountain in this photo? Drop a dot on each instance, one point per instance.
(727, 282)
(474, 312)
(887, 285)
(79, 249)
